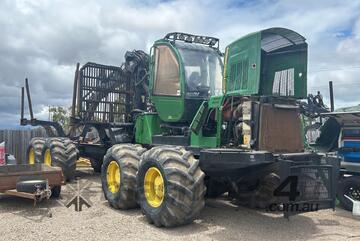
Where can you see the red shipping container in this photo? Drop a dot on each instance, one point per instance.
(2, 154)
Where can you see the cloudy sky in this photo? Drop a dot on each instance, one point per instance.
(43, 40)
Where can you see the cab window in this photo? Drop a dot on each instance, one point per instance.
(167, 80)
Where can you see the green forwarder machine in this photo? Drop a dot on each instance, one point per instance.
(187, 122)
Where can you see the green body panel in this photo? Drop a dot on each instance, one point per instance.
(254, 61)
(197, 139)
(169, 108)
(147, 125)
(216, 101)
(296, 60)
(199, 118)
(243, 66)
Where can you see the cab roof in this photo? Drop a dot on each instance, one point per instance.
(273, 39)
(277, 38)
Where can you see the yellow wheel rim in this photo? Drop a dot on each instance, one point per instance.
(154, 187)
(31, 156)
(47, 157)
(113, 177)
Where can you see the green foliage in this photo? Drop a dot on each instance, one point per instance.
(61, 115)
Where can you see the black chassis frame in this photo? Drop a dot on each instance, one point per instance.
(232, 165)
(92, 151)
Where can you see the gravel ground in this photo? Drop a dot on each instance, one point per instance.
(220, 220)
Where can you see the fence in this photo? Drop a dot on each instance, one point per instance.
(16, 141)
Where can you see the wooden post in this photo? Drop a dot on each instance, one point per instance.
(72, 127)
(22, 103)
(78, 100)
(29, 98)
(76, 79)
(331, 96)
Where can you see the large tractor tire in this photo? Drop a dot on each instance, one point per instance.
(171, 186)
(260, 195)
(96, 165)
(35, 150)
(118, 175)
(61, 152)
(215, 188)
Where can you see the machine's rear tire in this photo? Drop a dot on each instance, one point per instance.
(215, 188)
(118, 175)
(96, 165)
(348, 186)
(62, 153)
(35, 150)
(260, 195)
(176, 195)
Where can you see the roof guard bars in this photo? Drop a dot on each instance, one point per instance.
(190, 38)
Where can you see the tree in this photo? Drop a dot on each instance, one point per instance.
(61, 115)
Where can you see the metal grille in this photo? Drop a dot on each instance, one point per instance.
(105, 94)
(239, 74)
(284, 82)
(314, 182)
(276, 38)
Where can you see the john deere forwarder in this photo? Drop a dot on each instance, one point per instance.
(186, 122)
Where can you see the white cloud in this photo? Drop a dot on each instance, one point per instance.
(44, 39)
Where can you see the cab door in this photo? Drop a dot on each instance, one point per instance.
(166, 91)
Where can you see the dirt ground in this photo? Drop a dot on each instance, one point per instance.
(220, 220)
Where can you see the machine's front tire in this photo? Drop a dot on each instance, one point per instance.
(61, 152)
(118, 175)
(171, 186)
(35, 150)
